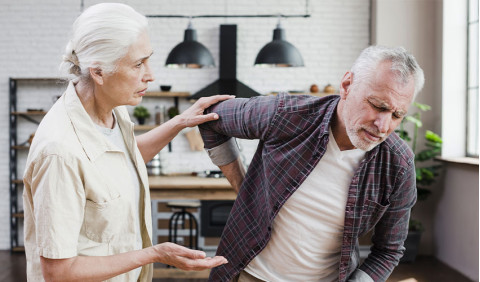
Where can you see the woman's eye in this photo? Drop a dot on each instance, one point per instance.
(139, 65)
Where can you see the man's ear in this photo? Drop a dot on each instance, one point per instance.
(345, 84)
(97, 75)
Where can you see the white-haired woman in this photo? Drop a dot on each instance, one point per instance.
(86, 197)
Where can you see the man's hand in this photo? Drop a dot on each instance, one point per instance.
(186, 259)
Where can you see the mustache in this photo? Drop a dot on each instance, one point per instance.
(374, 131)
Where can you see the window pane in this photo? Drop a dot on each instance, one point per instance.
(473, 10)
(473, 55)
(472, 134)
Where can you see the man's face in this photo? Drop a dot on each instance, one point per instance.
(374, 108)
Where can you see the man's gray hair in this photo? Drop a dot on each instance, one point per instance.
(404, 65)
(101, 36)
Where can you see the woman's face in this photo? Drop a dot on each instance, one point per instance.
(129, 82)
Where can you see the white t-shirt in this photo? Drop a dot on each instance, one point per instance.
(307, 232)
(115, 136)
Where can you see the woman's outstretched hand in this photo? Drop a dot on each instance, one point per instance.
(184, 258)
(194, 116)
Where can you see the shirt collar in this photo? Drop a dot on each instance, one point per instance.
(92, 141)
(329, 112)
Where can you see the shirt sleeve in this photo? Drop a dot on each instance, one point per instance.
(392, 229)
(225, 153)
(58, 206)
(240, 118)
(360, 276)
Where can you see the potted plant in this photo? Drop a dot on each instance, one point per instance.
(425, 171)
(141, 113)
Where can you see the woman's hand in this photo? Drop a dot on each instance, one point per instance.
(194, 116)
(184, 258)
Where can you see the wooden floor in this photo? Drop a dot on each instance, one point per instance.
(425, 269)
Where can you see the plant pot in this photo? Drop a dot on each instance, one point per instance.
(141, 121)
(411, 245)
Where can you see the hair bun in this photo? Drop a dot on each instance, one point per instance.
(75, 64)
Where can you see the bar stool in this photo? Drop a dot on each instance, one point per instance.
(184, 215)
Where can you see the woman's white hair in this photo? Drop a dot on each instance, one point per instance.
(101, 36)
(404, 65)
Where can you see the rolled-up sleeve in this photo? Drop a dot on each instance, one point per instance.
(225, 153)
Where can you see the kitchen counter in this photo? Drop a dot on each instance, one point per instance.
(190, 187)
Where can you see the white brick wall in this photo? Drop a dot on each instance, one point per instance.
(33, 35)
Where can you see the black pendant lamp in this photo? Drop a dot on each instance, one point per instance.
(190, 53)
(279, 52)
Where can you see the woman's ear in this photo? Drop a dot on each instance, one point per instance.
(345, 84)
(97, 75)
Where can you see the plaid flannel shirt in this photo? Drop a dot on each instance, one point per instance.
(293, 135)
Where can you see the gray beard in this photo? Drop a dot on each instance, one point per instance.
(356, 141)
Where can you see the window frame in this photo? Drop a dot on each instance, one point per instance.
(470, 121)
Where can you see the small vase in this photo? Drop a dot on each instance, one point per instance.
(141, 121)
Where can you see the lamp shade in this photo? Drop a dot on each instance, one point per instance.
(279, 52)
(190, 53)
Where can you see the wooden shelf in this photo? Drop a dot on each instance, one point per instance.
(19, 147)
(145, 127)
(167, 94)
(30, 113)
(17, 181)
(18, 214)
(18, 249)
(64, 79)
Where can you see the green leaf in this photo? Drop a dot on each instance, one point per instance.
(415, 225)
(433, 137)
(403, 134)
(422, 107)
(414, 120)
(422, 194)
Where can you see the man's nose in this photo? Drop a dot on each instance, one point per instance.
(382, 122)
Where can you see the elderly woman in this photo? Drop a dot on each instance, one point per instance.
(86, 197)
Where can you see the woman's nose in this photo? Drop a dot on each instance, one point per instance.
(148, 76)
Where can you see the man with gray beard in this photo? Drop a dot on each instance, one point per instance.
(326, 171)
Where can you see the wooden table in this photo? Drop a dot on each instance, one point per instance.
(188, 187)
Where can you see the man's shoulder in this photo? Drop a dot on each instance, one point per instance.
(398, 148)
(302, 103)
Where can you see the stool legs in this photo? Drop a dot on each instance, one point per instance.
(173, 227)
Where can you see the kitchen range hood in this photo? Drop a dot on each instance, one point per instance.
(227, 83)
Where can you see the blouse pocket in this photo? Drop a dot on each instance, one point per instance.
(372, 212)
(103, 220)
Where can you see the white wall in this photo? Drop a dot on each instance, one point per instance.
(450, 215)
(456, 219)
(416, 25)
(33, 35)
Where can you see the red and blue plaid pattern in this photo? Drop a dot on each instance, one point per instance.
(293, 134)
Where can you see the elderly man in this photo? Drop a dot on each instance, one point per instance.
(326, 171)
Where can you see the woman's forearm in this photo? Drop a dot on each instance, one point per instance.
(94, 268)
(151, 142)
